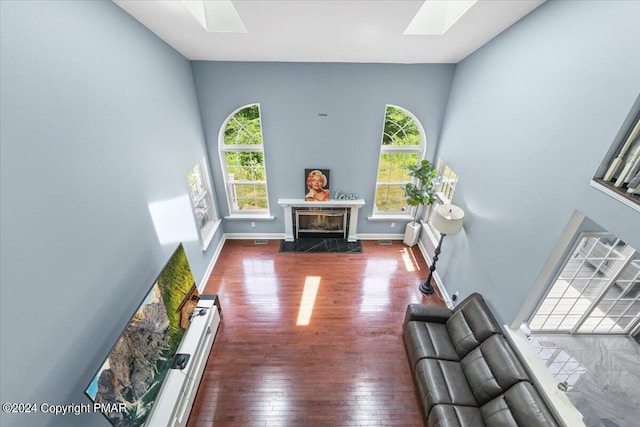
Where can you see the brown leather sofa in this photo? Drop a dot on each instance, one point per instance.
(465, 370)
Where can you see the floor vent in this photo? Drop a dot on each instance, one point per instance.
(546, 344)
(260, 242)
(384, 242)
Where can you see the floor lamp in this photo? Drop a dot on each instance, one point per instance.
(447, 219)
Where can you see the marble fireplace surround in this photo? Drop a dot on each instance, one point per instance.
(289, 204)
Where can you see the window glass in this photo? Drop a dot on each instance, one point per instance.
(402, 146)
(243, 162)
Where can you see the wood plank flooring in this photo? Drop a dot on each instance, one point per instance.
(311, 339)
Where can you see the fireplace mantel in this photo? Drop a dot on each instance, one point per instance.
(289, 204)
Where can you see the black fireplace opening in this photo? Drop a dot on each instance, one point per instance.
(319, 222)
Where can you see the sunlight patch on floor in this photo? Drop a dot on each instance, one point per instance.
(311, 285)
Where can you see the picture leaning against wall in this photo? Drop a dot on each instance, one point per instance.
(129, 380)
(316, 185)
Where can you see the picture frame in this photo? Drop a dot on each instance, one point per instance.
(317, 185)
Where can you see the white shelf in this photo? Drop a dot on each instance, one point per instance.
(175, 399)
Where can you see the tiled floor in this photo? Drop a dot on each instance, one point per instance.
(602, 375)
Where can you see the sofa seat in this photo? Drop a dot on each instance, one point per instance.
(465, 370)
(483, 374)
(455, 416)
(440, 333)
(519, 406)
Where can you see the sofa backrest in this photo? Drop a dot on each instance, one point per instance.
(470, 324)
(492, 368)
(520, 406)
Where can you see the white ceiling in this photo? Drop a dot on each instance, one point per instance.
(368, 31)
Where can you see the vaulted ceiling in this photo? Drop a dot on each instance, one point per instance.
(367, 31)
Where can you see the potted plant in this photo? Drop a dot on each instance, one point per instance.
(423, 192)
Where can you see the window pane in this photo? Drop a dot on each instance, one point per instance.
(202, 201)
(245, 167)
(393, 167)
(390, 198)
(251, 196)
(244, 127)
(595, 287)
(400, 129)
(402, 146)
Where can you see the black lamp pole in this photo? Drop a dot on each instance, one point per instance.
(426, 287)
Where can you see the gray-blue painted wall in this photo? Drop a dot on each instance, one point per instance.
(529, 119)
(99, 119)
(346, 141)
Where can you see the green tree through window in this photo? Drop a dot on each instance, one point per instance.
(242, 154)
(402, 145)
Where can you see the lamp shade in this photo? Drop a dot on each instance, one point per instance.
(447, 219)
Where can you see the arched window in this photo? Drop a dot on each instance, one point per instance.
(242, 158)
(403, 144)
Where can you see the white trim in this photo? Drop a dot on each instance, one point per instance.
(254, 236)
(249, 217)
(420, 150)
(436, 277)
(381, 217)
(540, 284)
(206, 240)
(222, 149)
(611, 193)
(212, 263)
(375, 236)
(560, 404)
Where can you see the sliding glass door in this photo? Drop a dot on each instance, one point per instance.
(596, 291)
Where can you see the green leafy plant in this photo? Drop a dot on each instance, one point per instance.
(424, 191)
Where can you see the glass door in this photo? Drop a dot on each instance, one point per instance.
(596, 291)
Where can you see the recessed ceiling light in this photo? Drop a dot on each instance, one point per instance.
(216, 16)
(436, 17)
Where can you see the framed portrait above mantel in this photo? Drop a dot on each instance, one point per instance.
(619, 172)
(317, 185)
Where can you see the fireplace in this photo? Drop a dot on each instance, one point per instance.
(329, 221)
(351, 207)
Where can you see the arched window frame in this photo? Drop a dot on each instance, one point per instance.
(232, 184)
(419, 150)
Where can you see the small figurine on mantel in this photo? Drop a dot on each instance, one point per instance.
(317, 183)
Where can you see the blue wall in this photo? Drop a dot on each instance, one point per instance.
(347, 141)
(530, 117)
(99, 119)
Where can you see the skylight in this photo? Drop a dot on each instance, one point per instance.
(216, 16)
(436, 17)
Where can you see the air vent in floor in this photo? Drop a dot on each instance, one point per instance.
(384, 242)
(260, 242)
(546, 344)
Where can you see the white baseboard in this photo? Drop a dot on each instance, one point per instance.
(436, 277)
(254, 236)
(380, 236)
(212, 264)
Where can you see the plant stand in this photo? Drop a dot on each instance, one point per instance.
(412, 233)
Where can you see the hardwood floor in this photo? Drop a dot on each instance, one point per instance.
(311, 339)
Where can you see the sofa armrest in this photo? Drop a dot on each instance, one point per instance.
(426, 313)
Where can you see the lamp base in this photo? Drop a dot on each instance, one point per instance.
(426, 288)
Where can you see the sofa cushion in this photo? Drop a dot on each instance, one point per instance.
(426, 339)
(442, 382)
(426, 313)
(455, 416)
(470, 324)
(492, 368)
(519, 406)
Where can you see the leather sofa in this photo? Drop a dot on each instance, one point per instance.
(465, 370)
